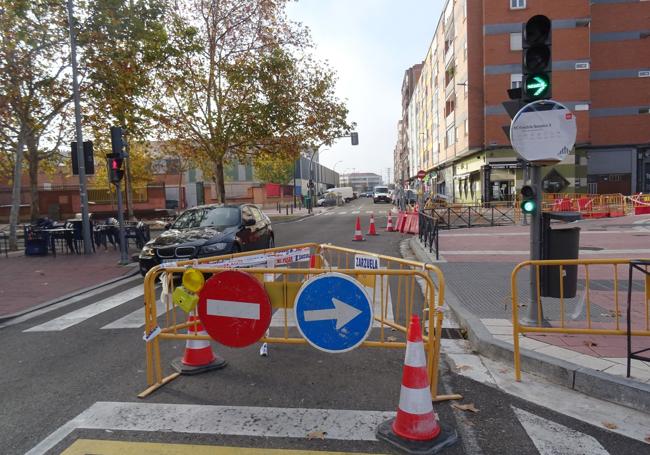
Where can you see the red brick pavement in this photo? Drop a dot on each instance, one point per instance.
(27, 281)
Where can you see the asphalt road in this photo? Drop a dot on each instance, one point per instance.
(58, 370)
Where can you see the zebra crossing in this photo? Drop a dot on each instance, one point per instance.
(355, 212)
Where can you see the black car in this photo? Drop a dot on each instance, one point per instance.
(209, 230)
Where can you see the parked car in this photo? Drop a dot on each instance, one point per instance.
(209, 230)
(328, 200)
(381, 194)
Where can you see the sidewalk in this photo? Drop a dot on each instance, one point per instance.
(292, 215)
(29, 282)
(478, 292)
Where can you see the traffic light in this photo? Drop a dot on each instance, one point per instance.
(528, 200)
(536, 59)
(115, 172)
(355, 138)
(117, 140)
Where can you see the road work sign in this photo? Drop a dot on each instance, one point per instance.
(333, 312)
(543, 131)
(234, 308)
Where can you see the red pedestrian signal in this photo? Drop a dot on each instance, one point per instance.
(115, 170)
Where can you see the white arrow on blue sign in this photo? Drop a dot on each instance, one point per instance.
(333, 312)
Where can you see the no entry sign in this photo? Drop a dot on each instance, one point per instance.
(234, 308)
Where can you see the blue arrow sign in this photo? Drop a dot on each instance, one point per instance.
(333, 312)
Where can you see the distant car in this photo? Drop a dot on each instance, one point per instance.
(328, 200)
(209, 230)
(381, 194)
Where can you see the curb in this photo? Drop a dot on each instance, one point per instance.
(7, 317)
(280, 220)
(591, 382)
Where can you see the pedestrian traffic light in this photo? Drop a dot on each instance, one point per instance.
(528, 200)
(115, 171)
(536, 59)
(355, 138)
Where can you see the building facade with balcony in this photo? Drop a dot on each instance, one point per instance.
(601, 71)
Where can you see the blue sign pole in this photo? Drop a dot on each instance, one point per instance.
(333, 312)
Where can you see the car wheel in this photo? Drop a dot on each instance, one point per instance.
(271, 243)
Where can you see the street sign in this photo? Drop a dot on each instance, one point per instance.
(543, 131)
(333, 312)
(234, 308)
(421, 174)
(362, 261)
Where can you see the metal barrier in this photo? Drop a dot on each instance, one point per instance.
(428, 232)
(474, 216)
(392, 310)
(599, 300)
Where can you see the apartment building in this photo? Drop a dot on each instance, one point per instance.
(402, 170)
(601, 71)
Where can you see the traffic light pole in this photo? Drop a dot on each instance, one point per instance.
(83, 194)
(535, 172)
(124, 258)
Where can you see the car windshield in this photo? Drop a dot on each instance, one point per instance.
(381, 189)
(220, 216)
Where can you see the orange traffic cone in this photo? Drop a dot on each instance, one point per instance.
(358, 236)
(372, 230)
(416, 428)
(389, 225)
(198, 355)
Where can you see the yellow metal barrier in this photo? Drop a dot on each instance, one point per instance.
(415, 292)
(591, 298)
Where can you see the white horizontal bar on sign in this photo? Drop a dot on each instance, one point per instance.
(233, 309)
(347, 425)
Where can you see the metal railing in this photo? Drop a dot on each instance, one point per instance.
(108, 196)
(428, 232)
(473, 216)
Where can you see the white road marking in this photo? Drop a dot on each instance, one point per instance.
(135, 319)
(233, 309)
(341, 213)
(70, 301)
(80, 315)
(551, 438)
(221, 420)
(355, 212)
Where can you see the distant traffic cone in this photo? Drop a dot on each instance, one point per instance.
(372, 230)
(358, 236)
(416, 428)
(389, 225)
(198, 355)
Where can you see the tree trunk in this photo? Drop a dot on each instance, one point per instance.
(219, 181)
(32, 158)
(180, 184)
(14, 214)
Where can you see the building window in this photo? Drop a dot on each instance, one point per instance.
(515, 80)
(515, 41)
(517, 4)
(450, 136)
(466, 127)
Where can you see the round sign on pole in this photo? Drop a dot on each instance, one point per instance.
(543, 131)
(421, 174)
(234, 308)
(333, 312)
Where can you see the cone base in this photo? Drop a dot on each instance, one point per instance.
(445, 439)
(216, 364)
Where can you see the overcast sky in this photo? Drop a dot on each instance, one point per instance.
(370, 43)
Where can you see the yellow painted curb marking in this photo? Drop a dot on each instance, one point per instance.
(99, 447)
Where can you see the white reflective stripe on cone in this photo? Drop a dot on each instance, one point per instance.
(415, 401)
(415, 355)
(197, 344)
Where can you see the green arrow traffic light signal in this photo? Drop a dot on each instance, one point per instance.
(537, 86)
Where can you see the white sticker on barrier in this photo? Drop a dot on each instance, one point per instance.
(362, 261)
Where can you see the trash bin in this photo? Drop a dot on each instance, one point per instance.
(560, 244)
(36, 241)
